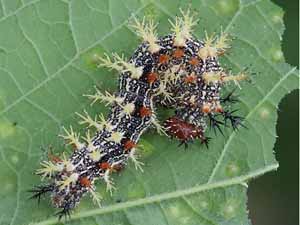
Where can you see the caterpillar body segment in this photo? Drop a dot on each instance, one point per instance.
(175, 71)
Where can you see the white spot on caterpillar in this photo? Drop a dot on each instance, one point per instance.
(95, 155)
(69, 166)
(74, 177)
(193, 99)
(69, 180)
(116, 137)
(128, 108)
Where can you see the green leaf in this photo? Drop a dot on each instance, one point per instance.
(46, 65)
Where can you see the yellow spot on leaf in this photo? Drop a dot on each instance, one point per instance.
(6, 129)
(277, 55)
(264, 113)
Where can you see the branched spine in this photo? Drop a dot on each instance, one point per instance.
(147, 32)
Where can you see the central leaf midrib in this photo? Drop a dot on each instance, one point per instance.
(240, 180)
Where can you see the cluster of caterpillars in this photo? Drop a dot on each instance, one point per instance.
(175, 71)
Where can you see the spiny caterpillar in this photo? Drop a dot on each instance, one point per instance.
(174, 71)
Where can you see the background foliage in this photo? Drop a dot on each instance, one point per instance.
(46, 49)
(269, 196)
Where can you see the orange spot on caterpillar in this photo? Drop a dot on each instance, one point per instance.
(206, 108)
(163, 59)
(54, 158)
(190, 78)
(178, 53)
(219, 109)
(73, 146)
(221, 53)
(129, 145)
(145, 111)
(104, 165)
(56, 199)
(152, 77)
(194, 61)
(117, 168)
(84, 181)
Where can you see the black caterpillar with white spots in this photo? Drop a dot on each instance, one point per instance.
(175, 71)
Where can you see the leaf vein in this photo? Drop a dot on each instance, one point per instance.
(50, 77)
(233, 134)
(166, 196)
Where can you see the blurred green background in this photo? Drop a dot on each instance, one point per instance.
(274, 198)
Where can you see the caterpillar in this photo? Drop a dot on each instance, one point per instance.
(175, 71)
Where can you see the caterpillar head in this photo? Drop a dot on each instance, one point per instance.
(64, 197)
(68, 180)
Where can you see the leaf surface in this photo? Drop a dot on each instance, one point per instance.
(46, 65)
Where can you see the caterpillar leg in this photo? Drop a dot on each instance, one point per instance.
(39, 191)
(230, 98)
(205, 140)
(65, 212)
(185, 143)
(215, 124)
(235, 121)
